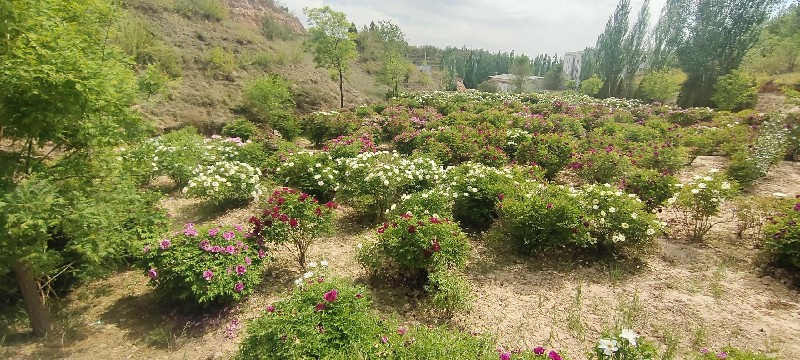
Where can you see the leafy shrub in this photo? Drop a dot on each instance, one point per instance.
(768, 150)
(220, 63)
(240, 128)
(514, 138)
(324, 318)
(627, 345)
(550, 151)
(153, 82)
(175, 154)
(732, 353)
(350, 146)
(293, 219)
(435, 202)
(700, 200)
(782, 237)
(752, 212)
(477, 189)
(735, 91)
(275, 30)
(372, 182)
(601, 165)
(208, 9)
(651, 186)
(661, 86)
(422, 248)
(312, 173)
(591, 86)
(208, 265)
(666, 158)
(225, 182)
(269, 101)
(322, 126)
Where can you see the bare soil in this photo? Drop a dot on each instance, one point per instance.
(685, 295)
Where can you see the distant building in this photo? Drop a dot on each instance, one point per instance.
(505, 83)
(572, 65)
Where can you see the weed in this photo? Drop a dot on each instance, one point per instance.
(574, 317)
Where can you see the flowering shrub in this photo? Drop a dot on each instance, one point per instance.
(174, 154)
(350, 146)
(372, 182)
(665, 158)
(293, 219)
(435, 202)
(420, 248)
(601, 165)
(550, 151)
(732, 353)
(225, 181)
(651, 186)
(477, 189)
(205, 265)
(766, 152)
(311, 172)
(782, 237)
(322, 126)
(627, 345)
(700, 200)
(240, 128)
(616, 220)
(514, 138)
(753, 212)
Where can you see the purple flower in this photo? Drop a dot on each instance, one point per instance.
(797, 207)
(270, 308)
(152, 273)
(238, 287)
(146, 249)
(539, 350)
(208, 275)
(261, 253)
(165, 244)
(319, 307)
(505, 356)
(384, 340)
(401, 331)
(238, 228)
(704, 351)
(553, 355)
(331, 296)
(189, 230)
(228, 235)
(205, 245)
(216, 249)
(722, 355)
(247, 260)
(230, 249)
(240, 269)
(213, 232)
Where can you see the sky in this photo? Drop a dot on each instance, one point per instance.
(526, 26)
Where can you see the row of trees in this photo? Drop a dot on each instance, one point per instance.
(706, 39)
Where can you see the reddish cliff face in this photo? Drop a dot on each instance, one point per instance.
(252, 11)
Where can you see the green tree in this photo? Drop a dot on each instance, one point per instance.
(669, 34)
(720, 32)
(634, 50)
(521, 69)
(331, 42)
(610, 49)
(555, 78)
(591, 86)
(735, 91)
(394, 66)
(778, 48)
(66, 98)
(661, 86)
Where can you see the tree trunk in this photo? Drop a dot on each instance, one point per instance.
(34, 306)
(341, 88)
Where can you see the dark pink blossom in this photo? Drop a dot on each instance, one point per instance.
(293, 222)
(384, 340)
(208, 275)
(331, 296)
(319, 307)
(241, 270)
(539, 350)
(228, 235)
(247, 260)
(505, 356)
(261, 253)
(553, 355)
(270, 308)
(213, 232)
(165, 244)
(238, 287)
(152, 273)
(230, 249)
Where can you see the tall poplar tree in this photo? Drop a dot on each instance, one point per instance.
(331, 42)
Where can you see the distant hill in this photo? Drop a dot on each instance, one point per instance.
(211, 48)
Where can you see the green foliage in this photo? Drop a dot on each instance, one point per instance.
(488, 86)
(322, 126)
(295, 220)
(435, 202)
(732, 353)
(651, 186)
(269, 101)
(782, 237)
(627, 345)
(350, 146)
(602, 165)
(591, 86)
(521, 69)
(313, 173)
(550, 151)
(753, 163)
(331, 42)
(207, 9)
(661, 86)
(152, 81)
(555, 78)
(274, 29)
(735, 91)
(208, 265)
(225, 182)
(700, 200)
(241, 128)
(778, 48)
(477, 189)
(219, 63)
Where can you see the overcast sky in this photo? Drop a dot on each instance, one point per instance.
(525, 26)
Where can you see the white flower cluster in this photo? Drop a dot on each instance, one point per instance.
(610, 346)
(225, 180)
(465, 184)
(384, 171)
(515, 137)
(770, 146)
(311, 166)
(314, 270)
(218, 148)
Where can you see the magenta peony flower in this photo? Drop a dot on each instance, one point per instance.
(303, 197)
(704, 351)
(208, 275)
(270, 308)
(216, 249)
(722, 355)
(165, 244)
(505, 356)
(549, 206)
(238, 228)
(539, 350)
(247, 260)
(293, 222)
(501, 197)
(331, 296)
(152, 273)
(241, 270)
(189, 230)
(797, 207)
(401, 331)
(384, 340)
(228, 235)
(238, 287)
(230, 249)
(213, 232)
(319, 307)
(261, 253)
(412, 229)
(553, 355)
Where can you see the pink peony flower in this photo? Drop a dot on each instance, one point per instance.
(553, 355)
(539, 350)
(261, 253)
(165, 244)
(230, 249)
(270, 308)
(189, 230)
(722, 355)
(319, 307)
(208, 275)
(384, 340)
(401, 331)
(228, 235)
(247, 260)
(241, 270)
(152, 273)
(216, 249)
(331, 296)
(146, 249)
(797, 207)
(238, 228)
(293, 222)
(213, 232)
(505, 356)
(303, 197)
(501, 197)
(238, 287)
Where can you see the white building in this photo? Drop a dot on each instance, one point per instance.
(505, 83)
(572, 65)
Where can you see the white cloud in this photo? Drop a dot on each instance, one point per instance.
(531, 27)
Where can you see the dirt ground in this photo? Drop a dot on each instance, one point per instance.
(682, 295)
